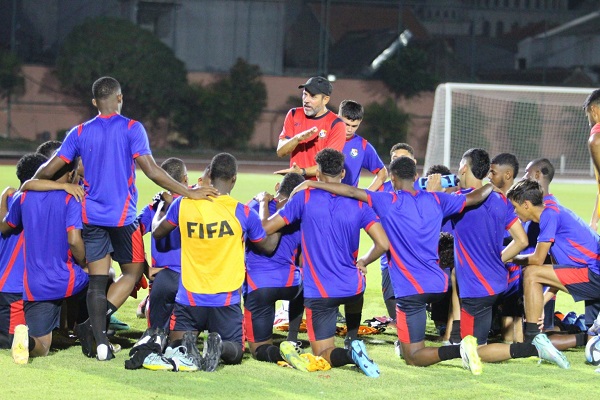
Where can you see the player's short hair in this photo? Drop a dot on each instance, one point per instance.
(28, 165)
(289, 182)
(438, 169)
(330, 161)
(223, 167)
(402, 146)
(526, 189)
(352, 110)
(105, 87)
(48, 148)
(593, 98)
(507, 159)
(446, 250)
(175, 167)
(403, 168)
(545, 167)
(479, 162)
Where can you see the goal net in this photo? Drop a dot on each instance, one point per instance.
(528, 121)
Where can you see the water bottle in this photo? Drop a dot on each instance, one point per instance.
(447, 181)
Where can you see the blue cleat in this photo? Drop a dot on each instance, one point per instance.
(362, 360)
(548, 352)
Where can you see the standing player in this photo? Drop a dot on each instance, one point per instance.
(310, 128)
(273, 277)
(209, 290)
(358, 152)
(330, 234)
(591, 106)
(109, 146)
(51, 223)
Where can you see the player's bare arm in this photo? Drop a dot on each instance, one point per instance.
(340, 189)
(379, 179)
(306, 172)
(49, 168)
(536, 258)
(479, 195)
(4, 201)
(44, 185)
(286, 146)
(381, 244)
(76, 245)
(519, 242)
(160, 226)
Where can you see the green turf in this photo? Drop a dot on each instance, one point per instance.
(66, 374)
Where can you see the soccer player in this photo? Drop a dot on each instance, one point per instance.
(310, 128)
(166, 253)
(591, 106)
(273, 277)
(110, 145)
(47, 149)
(54, 258)
(208, 296)
(358, 152)
(330, 228)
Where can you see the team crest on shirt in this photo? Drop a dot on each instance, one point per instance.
(323, 133)
(353, 152)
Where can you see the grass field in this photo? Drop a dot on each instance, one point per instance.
(67, 374)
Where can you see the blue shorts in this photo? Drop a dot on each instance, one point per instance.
(321, 315)
(581, 283)
(259, 310)
(225, 320)
(411, 316)
(42, 317)
(11, 312)
(476, 317)
(592, 309)
(386, 284)
(162, 298)
(123, 243)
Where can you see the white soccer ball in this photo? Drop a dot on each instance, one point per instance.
(592, 351)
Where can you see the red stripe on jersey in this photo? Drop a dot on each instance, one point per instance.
(84, 217)
(67, 198)
(130, 124)
(360, 287)
(172, 322)
(369, 200)
(311, 268)
(23, 197)
(124, 212)
(307, 195)
(402, 327)
(248, 328)
(370, 225)
(246, 211)
(137, 246)
(16, 316)
(190, 298)
(28, 294)
(436, 197)
(511, 223)
(467, 323)
(79, 129)
(310, 330)
(404, 271)
(71, 283)
(474, 268)
(11, 261)
(65, 159)
(364, 143)
(570, 276)
(584, 250)
(290, 279)
(228, 300)
(250, 282)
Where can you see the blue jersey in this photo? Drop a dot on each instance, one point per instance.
(280, 268)
(359, 154)
(108, 146)
(478, 243)
(166, 252)
(50, 270)
(412, 223)
(330, 234)
(11, 258)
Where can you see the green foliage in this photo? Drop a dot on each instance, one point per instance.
(10, 74)
(406, 75)
(152, 78)
(222, 115)
(524, 131)
(385, 125)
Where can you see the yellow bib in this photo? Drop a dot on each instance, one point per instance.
(212, 245)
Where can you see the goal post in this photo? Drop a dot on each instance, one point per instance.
(528, 121)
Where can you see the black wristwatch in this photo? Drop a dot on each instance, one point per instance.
(303, 171)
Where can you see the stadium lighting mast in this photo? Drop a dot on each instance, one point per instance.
(400, 42)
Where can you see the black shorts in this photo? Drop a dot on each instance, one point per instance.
(11, 312)
(42, 317)
(592, 309)
(581, 283)
(512, 304)
(476, 317)
(321, 315)
(226, 320)
(386, 284)
(411, 316)
(162, 298)
(259, 310)
(123, 243)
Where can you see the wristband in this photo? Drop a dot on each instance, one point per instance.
(303, 171)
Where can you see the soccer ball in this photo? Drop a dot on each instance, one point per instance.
(592, 351)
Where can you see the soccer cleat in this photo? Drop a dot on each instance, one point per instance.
(580, 323)
(156, 362)
(290, 355)
(104, 353)
(547, 351)
(469, 355)
(213, 347)
(398, 349)
(115, 347)
(117, 325)
(180, 359)
(362, 360)
(20, 345)
(86, 339)
(189, 342)
(595, 328)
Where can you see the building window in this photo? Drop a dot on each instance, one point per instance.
(156, 17)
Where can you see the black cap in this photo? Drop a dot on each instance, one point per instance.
(317, 85)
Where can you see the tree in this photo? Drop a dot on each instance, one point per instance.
(386, 125)
(406, 75)
(152, 78)
(10, 74)
(224, 113)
